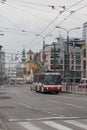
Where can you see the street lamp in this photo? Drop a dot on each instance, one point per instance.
(68, 31)
(44, 57)
(67, 52)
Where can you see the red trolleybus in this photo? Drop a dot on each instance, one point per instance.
(47, 82)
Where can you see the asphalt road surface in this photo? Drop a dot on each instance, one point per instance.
(23, 109)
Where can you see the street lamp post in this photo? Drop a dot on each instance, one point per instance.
(54, 58)
(67, 53)
(68, 31)
(1, 34)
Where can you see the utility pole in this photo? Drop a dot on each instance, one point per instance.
(1, 75)
(67, 64)
(54, 57)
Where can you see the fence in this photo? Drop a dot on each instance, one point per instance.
(75, 88)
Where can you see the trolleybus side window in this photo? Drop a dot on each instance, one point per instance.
(39, 78)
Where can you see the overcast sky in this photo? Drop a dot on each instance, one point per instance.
(21, 20)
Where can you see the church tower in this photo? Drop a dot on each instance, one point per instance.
(23, 56)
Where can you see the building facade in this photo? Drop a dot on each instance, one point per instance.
(75, 62)
(55, 59)
(84, 52)
(2, 66)
(29, 62)
(84, 61)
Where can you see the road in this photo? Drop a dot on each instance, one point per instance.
(23, 109)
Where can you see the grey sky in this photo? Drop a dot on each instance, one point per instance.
(20, 20)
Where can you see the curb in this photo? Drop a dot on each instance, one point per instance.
(79, 93)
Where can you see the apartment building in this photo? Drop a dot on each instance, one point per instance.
(75, 61)
(55, 59)
(84, 52)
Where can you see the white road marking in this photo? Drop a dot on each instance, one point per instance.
(45, 118)
(56, 125)
(54, 114)
(52, 101)
(76, 123)
(29, 126)
(27, 106)
(73, 98)
(73, 105)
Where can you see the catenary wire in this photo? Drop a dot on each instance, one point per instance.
(79, 2)
(55, 19)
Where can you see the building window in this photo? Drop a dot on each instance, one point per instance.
(52, 56)
(78, 67)
(72, 68)
(84, 52)
(72, 56)
(60, 67)
(78, 61)
(54, 66)
(30, 57)
(78, 74)
(52, 61)
(84, 74)
(72, 61)
(84, 64)
(61, 61)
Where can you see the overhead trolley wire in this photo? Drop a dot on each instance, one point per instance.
(14, 5)
(33, 3)
(60, 14)
(54, 20)
(66, 18)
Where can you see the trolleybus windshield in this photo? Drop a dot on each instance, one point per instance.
(52, 79)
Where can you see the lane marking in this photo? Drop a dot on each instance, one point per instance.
(29, 126)
(35, 108)
(76, 123)
(73, 105)
(46, 118)
(56, 125)
(73, 98)
(52, 101)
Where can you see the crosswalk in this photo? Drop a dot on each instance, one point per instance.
(55, 125)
